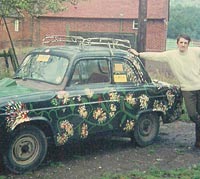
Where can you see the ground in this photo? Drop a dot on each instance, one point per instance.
(174, 148)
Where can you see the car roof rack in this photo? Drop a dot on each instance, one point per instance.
(79, 40)
(62, 40)
(109, 42)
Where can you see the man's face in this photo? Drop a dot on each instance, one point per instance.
(182, 45)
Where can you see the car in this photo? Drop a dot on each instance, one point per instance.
(84, 88)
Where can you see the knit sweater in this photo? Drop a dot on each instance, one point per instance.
(185, 66)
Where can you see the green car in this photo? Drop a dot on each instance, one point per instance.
(64, 93)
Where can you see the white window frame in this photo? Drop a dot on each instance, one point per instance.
(17, 25)
(135, 24)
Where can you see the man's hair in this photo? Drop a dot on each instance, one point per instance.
(183, 36)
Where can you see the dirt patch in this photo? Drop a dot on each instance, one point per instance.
(91, 159)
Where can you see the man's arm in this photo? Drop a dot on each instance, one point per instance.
(154, 56)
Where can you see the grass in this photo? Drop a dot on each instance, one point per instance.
(154, 173)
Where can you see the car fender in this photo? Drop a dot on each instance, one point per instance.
(158, 112)
(40, 122)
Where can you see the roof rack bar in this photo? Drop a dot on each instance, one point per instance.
(97, 41)
(102, 41)
(62, 38)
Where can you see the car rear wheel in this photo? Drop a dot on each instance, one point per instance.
(146, 129)
(26, 150)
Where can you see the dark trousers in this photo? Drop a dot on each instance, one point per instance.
(192, 103)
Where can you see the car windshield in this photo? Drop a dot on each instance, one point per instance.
(43, 67)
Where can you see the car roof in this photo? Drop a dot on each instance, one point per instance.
(77, 51)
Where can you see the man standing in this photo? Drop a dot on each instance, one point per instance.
(185, 65)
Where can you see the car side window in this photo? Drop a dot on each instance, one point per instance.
(123, 72)
(91, 71)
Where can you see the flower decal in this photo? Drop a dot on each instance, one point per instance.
(89, 92)
(113, 109)
(114, 96)
(84, 131)
(143, 101)
(170, 97)
(99, 115)
(64, 96)
(66, 132)
(137, 65)
(159, 106)
(17, 114)
(129, 126)
(82, 111)
(130, 99)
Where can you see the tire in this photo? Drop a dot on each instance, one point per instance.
(27, 148)
(146, 129)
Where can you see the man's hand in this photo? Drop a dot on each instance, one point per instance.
(133, 51)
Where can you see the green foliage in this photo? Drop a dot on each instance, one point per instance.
(184, 19)
(185, 3)
(32, 7)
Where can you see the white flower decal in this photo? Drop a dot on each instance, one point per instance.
(143, 101)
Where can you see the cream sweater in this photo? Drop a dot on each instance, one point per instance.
(185, 66)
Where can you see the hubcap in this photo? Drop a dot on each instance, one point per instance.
(25, 149)
(145, 127)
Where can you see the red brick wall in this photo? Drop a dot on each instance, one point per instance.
(155, 38)
(58, 26)
(32, 32)
(23, 37)
(156, 35)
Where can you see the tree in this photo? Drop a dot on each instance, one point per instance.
(9, 8)
(184, 19)
(32, 7)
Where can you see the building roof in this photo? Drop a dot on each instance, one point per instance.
(113, 9)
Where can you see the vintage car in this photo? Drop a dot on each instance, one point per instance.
(64, 93)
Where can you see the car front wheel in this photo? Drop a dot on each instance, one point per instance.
(26, 150)
(146, 129)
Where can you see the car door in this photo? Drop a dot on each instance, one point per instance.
(92, 105)
(130, 85)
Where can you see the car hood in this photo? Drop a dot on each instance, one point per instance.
(11, 91)
(9, 87)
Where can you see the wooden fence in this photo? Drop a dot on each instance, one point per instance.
(9, 56)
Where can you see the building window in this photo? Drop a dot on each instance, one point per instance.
(135, 24)
(16, 25)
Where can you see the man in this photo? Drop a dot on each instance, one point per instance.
(185, 65)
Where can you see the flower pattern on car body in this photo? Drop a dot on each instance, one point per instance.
(82, 111)
(130, 99)
(17, 114)
(113, 109)
(84, 131)
(159, 106)
(64, 96)
(114, 96)
(170, 97)
(143, 101)
(129, 125)
(99, 115)
(66, 132)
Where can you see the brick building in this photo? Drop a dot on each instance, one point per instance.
(92, 18)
